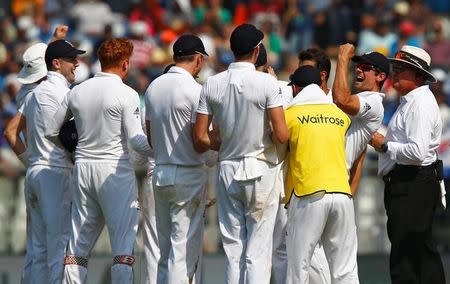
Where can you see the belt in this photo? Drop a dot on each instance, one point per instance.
(406, 171)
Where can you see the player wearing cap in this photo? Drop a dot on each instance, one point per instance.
(319, 198)
(244, 102)
(366, 107)
(106, 113)
(47, 182)
(34, 70)
(179, 175)
(411, 170)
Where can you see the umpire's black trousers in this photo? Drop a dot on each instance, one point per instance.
(410, 197)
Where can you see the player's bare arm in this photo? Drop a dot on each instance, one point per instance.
(280, 134)
(12, 134)
(342, 95)
(200, 133)
(377, 141)
(356, 172)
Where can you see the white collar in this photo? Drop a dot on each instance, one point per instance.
(311, 94)
(414, 93)
(58, 77)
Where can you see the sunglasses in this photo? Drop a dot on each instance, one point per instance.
(412, 59)
(366, 67)
(398, 68)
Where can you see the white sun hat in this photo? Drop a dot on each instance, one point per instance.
(34, 67)
(416, 57)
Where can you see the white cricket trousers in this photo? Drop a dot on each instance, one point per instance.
(329, 218)
(47, 199)
(149, 233)
(104, 192)
(180, 205)
(246, 211)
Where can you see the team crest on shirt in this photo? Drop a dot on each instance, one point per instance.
(366, 108)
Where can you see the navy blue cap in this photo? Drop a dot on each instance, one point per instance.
(376, 59)
(59, 49)
(188, 44)
(245, 38)
(305, 75)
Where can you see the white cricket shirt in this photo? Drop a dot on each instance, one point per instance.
(107, 115)
(364, 124)
(39, 109)
(238, 99)
(413, 133)
(170, 101)
(24, 91)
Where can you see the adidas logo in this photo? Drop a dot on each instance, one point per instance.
(136, 112)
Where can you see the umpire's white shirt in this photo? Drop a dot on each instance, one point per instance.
(414, 132)
(39, 109)
(170, 101)
(364, 124)
(238, 99)
(24, 91)
(106, 113)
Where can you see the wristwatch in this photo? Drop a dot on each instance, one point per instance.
(384, 147)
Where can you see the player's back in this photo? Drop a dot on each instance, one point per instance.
(97, 106)
(170, 108)
(239, 99)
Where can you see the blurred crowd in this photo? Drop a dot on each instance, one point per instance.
(289, 26)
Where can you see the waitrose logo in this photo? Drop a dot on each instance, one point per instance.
(321, 119)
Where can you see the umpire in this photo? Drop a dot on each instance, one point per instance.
(410, 169)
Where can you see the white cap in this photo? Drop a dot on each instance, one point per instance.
(34, 67)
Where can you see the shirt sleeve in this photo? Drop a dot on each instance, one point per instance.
(147, 103)
(56, 114)
(371, 111)
(132, 125)
(418, 133)
(203, 105)
(274, 94)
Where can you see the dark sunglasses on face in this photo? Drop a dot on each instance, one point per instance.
(366, 67)
(397, 68)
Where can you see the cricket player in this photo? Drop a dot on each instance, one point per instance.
(320, 207)
(244, 102)
(33, 72)
(179, 176)
(48, 178)
(106, 113)
(366, 107)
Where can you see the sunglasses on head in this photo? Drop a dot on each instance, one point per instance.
(366, 67)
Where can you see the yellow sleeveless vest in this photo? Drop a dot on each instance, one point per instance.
(317, 150)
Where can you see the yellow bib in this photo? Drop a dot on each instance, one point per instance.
(317, 150)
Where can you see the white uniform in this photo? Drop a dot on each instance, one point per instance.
(339, 235)
(364, 124)
(319, 272)
(238, 100)
(106, 113)
(179, 176)
(47, 182)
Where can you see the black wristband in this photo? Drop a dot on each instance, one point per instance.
(384, 147)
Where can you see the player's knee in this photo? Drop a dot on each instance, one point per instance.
(123, 259)
(75, 260)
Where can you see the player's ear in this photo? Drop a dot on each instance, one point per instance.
(126, 65)
(381, 77)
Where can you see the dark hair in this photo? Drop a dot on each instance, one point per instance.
(319, 56)
(243, 56)
(184, 58)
